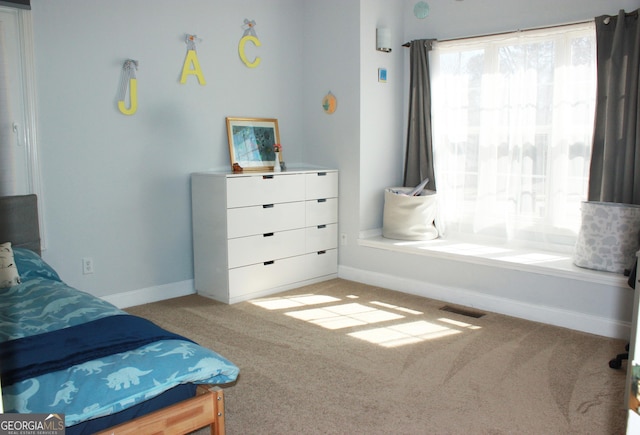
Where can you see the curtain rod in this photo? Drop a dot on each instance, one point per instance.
(408, 44)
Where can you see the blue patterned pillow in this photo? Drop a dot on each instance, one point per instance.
(31, 265)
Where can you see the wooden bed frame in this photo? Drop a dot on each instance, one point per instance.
(205, 409)
(19, 225)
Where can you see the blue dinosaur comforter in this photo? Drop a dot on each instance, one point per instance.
(109, 382)
(27, 357)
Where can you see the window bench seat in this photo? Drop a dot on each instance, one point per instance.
(526, 260)
(534, 285)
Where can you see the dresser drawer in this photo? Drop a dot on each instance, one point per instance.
(321, 211)
(259, 277)
(249, 221)
(267, 247)
(321, 264)
(250, 190)
(321, 238)
(321, 185)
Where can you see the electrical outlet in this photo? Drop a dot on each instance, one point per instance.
(87, 265)
(343, 239)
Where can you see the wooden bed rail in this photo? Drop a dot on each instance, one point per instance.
(206, 408)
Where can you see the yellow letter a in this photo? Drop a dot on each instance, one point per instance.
(192, 58)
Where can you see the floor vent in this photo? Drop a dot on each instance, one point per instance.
(463, 311)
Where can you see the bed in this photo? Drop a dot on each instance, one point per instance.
(64, 351)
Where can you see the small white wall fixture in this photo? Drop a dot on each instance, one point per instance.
(383, 39)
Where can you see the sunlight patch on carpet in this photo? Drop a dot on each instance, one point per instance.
(403, 325)
(406, 333)
(344, 316)
(459, 323)
(287, 302)
(395, 307)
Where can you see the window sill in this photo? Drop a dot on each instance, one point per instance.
(532, 261)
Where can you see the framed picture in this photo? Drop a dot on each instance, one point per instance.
(382, 75)
(251, 142)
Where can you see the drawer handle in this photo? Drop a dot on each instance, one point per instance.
(267, 235)
(321, 227)
(321, 174)
(268, 263)
(322, 252)
(322, 200)
(267, 177)
(267, 206)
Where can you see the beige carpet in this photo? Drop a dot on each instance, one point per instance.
(340, 357)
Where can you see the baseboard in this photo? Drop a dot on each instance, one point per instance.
(151, 294)
(510, 307)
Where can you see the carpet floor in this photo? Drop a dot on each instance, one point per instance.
(339, 357)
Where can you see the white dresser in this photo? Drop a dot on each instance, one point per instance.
(259, 233)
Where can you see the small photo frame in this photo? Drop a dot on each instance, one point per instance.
(382, 75)
(251, 142)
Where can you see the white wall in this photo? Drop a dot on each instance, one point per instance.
(332, 64)
(456, 19)
(381, 108)
(116, 187)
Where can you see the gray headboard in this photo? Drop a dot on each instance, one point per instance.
(19, 221)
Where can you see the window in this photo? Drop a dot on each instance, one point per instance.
(512, 125)
(19, 167)
(18, 157)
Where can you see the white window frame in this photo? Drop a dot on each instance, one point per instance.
(27, 133)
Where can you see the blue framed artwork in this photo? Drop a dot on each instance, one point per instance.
(382, 75)
(252, 142)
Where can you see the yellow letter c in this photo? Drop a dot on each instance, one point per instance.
(243, 41)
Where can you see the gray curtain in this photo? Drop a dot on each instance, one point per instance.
(419, 156)
(20, 4)
(615, 160)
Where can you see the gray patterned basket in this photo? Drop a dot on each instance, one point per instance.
(609, 236)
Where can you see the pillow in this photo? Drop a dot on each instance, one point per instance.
(9, 275)
(31, 265)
